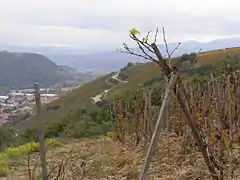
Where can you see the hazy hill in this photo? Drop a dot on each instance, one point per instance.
(112, 60)
(105, 62)
(83, 76)
(23, 69)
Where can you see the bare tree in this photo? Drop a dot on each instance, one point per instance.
(150, 51)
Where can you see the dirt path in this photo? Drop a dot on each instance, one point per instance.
(116, 77)
(98, 97)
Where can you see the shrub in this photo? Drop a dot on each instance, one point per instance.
(29, 133)
(4, 170)
(30, 147)
(154, 80)
(127, 66)
(14, 153)
(53, 143)
(55, 129)
(111, 134)
(7, 136)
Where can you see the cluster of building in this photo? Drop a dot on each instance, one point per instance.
(21, 100)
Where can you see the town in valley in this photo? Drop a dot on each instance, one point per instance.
(23, 100)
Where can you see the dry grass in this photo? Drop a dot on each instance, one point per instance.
(211, 56)
(104, 158)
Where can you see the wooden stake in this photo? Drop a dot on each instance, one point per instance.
(150, 122)
(161, 116)
(40, 134)
(220, 126)
(145, 115)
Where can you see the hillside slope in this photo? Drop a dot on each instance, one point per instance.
(78, 116)
(20, 70)
(72, 101)
(134, 77)
(138, 75)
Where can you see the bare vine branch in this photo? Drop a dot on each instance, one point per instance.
(149, 32)
(175, 49)
(129, 51)
(166, 44)
(147, 51)
(195, 60)
(143, 42)
(156, 34)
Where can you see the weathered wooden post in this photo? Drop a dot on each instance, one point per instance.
(40, 133)
(171, 85)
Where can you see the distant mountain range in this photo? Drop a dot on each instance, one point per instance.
(113, 60)
(104, 62)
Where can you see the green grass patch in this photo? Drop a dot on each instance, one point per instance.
(11, 154)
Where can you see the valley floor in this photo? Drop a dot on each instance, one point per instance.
(104, 158)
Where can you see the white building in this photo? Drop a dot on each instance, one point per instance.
(3, 98)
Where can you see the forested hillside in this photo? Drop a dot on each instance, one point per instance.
(21, 70)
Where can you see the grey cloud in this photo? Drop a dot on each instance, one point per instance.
(177, 23)
(114, 21)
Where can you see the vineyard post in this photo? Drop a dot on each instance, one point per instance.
(40, 133)
(161, 116)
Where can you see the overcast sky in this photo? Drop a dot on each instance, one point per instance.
(105, 23)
